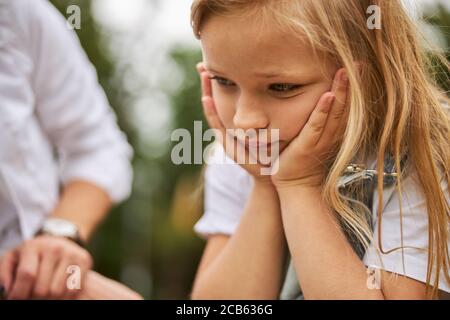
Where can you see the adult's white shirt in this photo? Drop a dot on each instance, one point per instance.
(56, 124)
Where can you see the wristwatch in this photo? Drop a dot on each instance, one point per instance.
(61, 228)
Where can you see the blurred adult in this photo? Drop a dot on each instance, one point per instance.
(63, 160)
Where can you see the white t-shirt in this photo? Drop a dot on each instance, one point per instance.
(227, 188)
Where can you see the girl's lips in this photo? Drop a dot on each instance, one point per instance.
(255, 144)
(259, 145)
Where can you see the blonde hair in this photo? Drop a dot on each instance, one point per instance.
(395, 103)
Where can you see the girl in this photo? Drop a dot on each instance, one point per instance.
(351, 103)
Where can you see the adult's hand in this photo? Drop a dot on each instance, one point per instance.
(38, 269)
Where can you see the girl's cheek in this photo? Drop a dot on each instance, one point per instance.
(296, 114)
(225, 108)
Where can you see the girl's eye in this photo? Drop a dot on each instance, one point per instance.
(283, 87)
(222, 81)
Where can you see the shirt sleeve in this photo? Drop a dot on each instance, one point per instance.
(227, 188)
(412, 261)
(72, 107)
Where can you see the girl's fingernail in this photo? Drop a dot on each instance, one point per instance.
(330, 100)
(206, 101)
(328, 104)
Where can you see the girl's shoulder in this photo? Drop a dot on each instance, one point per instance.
(402, 234)
(409, 198)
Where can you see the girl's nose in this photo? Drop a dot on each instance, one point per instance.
(250, 115)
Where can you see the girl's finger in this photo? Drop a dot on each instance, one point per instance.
(200, 67)
(340, 86)
(206, 85)
(214, 121)
(311, 133)
(211, 114)
(338, 109)
(209, 108)
(212, 118)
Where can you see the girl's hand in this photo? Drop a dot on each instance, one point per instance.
(98, 287)
(305, 160)
(231, 146)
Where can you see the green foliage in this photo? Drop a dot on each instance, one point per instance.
(441, 19)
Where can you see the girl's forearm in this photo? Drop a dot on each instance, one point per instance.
(251, 264)
(325, 263)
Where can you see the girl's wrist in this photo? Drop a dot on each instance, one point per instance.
(307, 183)
(293, 189)
(264, 184)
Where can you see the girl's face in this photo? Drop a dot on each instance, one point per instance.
(262, 79)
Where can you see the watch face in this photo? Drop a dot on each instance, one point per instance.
(60, 227)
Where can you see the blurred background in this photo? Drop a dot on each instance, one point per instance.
(145, 55)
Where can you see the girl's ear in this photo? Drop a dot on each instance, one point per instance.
(359, 66)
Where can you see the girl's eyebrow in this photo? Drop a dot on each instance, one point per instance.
(274, 74)
(208, 68)
(261, 74)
